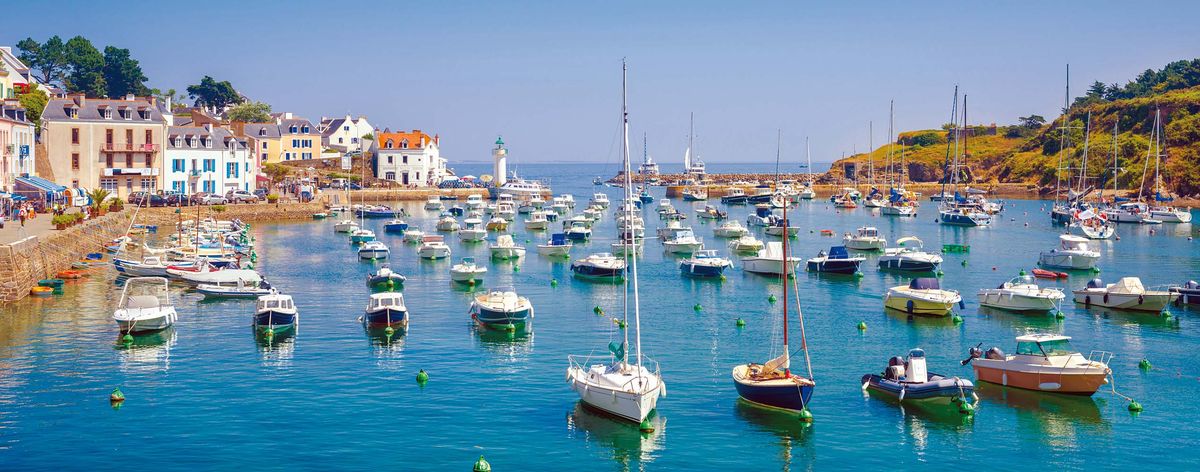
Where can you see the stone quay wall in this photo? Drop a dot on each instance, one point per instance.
(25, 262)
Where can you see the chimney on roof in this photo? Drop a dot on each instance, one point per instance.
(129, 97)
(78, 97)
(416, 131)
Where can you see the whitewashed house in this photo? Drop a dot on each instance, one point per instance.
(207, 159)
(409, 158)
(345, 134)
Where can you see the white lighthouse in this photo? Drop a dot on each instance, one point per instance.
(500, 155)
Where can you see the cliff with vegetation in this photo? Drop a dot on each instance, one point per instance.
(1028, 152)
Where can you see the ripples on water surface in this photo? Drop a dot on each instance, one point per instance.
(207, 394)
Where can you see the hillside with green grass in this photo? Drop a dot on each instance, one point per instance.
(1029, 152)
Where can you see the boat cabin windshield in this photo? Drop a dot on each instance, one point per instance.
(1058, 347)
(275, 304)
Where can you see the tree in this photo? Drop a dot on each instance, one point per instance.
(85, 71)
(49, 59)
(34, 101)
(122, 74)
(1032, 121)
(210, 93)
(276, 171)
(250, 112)
(1097, 90)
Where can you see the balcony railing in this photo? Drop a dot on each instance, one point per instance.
(128, 147)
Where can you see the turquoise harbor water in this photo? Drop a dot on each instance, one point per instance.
(208, 395)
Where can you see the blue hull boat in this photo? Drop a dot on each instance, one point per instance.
(274, 320)
(385, 317)
(594, 273)
(838, 261)
(939, 388)
(395, 227)
(699, 270)
(497, 317)
(783, 394)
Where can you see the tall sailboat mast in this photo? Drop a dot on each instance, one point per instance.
(787, 363)
(808, 158)
(629, 218)
(1086, 142)
(1114, 169)
(946, 163)
(1062, 138)
(870, 153)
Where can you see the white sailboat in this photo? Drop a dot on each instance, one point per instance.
(628, 390)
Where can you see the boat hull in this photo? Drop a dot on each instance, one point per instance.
(939, 390)
(274, 319)
(135, 320)
(630, 406)
(834, 266)
(1154, 302)
(767, 266)
(1067, 260)
(385, 317)
(783, 394)
(996, 298)
(489, 317)
(957, 219)
(908, 265)
(1050, 380)
(554, 251)
(701, 270)
(917, 306)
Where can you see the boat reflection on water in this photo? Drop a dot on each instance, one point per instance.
(919, 320)
(1141, 318)
(792, 433)
(277, 348)
(631, 448)
(147, 352)
(387, 341)
(509, 349)
(1013, 319)
(927, 414)
(1053, 416)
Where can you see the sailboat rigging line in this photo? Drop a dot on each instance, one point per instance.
(946, 163)
(629, 219)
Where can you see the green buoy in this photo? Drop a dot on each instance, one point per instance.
(697, 307)
(862, 325)
(858, 275)
(1166, 313)
(741, 323)
(1134, 406)
(127, 339)
(1022, 273)
(940, 273)
(956, 319)
(1058, 314)
(510, 327)
(645, 426)
(270, 333)
(117, 395)
(482, 465)
(806, 416)
(596, 309)
(389, 330)
(516, 268)
(771, 298)
(1144, 365)
(553, 282)
(422, 377)
(964, 263)
(965, 407)
(1095, 270)
(722, 277)
(791, 275)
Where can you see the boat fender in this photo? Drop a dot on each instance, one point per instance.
(903, 390)
(1141, 300)
(961, 304)
(1106, 299)
(909, 306)
(1087, 300)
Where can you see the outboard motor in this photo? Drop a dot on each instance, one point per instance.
(994, 354)
(895, 369)
(1095, 283)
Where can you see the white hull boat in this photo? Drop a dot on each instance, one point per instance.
(1127, 294)
(145, 306)
(770, 261)
(1021, 294)
(1073, 254)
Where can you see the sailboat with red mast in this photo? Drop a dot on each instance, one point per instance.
(773, 384)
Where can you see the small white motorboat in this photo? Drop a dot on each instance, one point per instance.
(472, 231)
(413, 236)
(602, 266)
(385, 310)
(1073, 253)
(730, 229)
(922, 296)
(434, 203)
(373, 250)
(236, 289)
(467, 272)
(1127, 294)
(385, 277)
(600, 200)
(361, 235)
(506, 248)
(746, 244)
(910, 256)
(447, 224)
(275, 312)
(433, 247)
(149, 266)
(684, 242)
(474, 201)
(501, 309)
(672, 229)
(537, 221)
(770, 261)
(867, 238)
(557, 246)
(777, 229)
(704, 263)
(578, 231)
(1021, 293)
(145, 306)
(345, 226)
(224, 276)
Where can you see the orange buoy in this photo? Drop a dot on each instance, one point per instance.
(41, 291)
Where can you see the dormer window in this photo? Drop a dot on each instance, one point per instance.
(107, 113)
(404, 144)
(304, 130)
(388, 144)
(178, 142)
(145, 114)
(292, 129)
(71, 112)
(207, 142)
(262, 131)
(192, 142)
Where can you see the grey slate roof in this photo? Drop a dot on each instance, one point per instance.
(221, 138)
(299, 123)
(56, 110)
(252, 130)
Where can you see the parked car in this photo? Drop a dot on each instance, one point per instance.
(204, 198)
(261, 193)
(241, 196)
(177, 199)
(136, 198)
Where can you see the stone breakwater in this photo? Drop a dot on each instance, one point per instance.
(25, 262)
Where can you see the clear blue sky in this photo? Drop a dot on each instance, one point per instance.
(546, 75)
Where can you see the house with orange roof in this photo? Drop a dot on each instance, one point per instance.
(409, 158)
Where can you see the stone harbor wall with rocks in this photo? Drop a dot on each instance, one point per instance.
(25, 262)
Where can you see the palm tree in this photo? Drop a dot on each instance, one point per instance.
(98, 195)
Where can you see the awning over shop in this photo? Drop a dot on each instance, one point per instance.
(37, 188)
